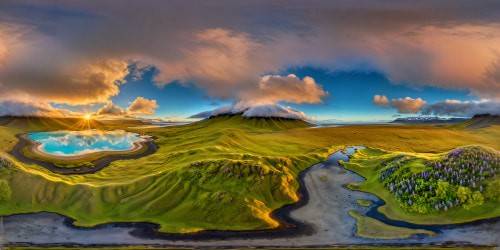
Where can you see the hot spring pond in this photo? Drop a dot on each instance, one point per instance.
(76, 143)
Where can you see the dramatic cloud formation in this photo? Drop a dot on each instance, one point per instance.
(220, 61)
(38, 66)
(110, 109)
(462, 109)
(274, 88)
(142, 106)
(408, 105)
(29, 108)
(269, 110)
(405, 105)
(78, 52)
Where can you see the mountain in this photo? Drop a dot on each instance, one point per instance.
(253, 123)
(428, 120)
(479, 121)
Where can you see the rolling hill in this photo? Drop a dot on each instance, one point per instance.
(223, 173)
(254, 123)
(479, 121)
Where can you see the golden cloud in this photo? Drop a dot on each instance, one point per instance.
(405, 105)
(142, 106)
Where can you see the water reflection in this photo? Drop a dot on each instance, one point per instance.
(72, 143)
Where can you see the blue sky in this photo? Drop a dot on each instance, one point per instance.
(350, 96)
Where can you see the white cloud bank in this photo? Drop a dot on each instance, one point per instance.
(266, 110)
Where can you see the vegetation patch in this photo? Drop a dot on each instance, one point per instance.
(389, 175)
(364, 203)
(367, 227)
(459, 179)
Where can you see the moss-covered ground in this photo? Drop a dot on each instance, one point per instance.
(225, 173)
(364, 203)
(371, 163)
(367, 227)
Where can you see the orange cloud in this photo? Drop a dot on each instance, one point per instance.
(142, 106)
(408, 105)
(110, 109)
(33, 108)
(35, 65)
(274, 88)
(405, 105)
(380, 100)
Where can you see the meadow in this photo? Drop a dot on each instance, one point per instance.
(224, 173)
(451, 187)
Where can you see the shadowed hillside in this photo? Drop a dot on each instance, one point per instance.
(254, 123)
(479, 121)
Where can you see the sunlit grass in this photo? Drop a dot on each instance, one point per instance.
(368, 163)
(224, 173)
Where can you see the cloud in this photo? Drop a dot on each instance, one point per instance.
(405, 105)
(408, 105)
(111, 109)
(462, 109)
(274, 88)
(30, 108)
(275, 111)
(53, 55)
(380, 100)
(38, 66)
(142, 106)
(266, 110)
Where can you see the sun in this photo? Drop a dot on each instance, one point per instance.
(87, 117)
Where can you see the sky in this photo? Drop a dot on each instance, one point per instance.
(330, 61)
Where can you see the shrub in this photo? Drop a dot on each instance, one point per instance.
(457, 179)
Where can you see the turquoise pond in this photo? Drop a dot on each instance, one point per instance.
(74, 143)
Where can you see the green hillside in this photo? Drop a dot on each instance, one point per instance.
(254, 123)
(225, 173)
(478, 121)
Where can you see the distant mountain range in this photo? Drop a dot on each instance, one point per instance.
(428, 120)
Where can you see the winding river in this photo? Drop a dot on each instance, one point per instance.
(320, 219)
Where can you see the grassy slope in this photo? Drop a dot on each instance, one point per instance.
(367, 163)
(478, 121)
(223, 173)
(367, 227)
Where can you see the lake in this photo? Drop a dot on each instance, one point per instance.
(74, 143)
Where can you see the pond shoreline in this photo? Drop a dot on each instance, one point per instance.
(17, 152)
